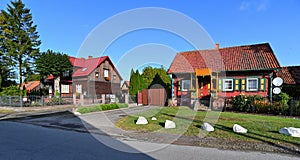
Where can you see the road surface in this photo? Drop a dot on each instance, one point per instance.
(26, 141)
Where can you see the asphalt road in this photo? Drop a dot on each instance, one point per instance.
(26, 141)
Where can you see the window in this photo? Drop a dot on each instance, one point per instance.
(185, 85)
(105, 73)
(65, 89)
(252, 84)
(227, 84)
(97, 74)
(114, 77)
(78, 88)
(66, 74)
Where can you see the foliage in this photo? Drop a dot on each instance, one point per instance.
(33, 77)
(159, 76)
(257, 104)
(148, 79)
(5, 73)
(53, 63)
(101, 107)
(21, 38)
(244, 103)
(13, 90)
(135, 82)
(282, 98)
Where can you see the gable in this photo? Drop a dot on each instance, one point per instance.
(290, 74)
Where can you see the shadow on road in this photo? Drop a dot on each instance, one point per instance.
(24, 141)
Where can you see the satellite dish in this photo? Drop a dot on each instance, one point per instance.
(277, 81)
(276, 90)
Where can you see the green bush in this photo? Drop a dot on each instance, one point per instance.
(245, 104)
(102, 107)
(258, 104)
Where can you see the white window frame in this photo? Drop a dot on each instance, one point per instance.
(227, 89)
(65, 88)
(105, 73)
(78, 88)
(247, 84)
(184, 83)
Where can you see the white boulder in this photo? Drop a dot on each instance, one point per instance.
(76, 113)
(141, 120)
(153, 118)
(207, 127)
(290, 131)
(239, 129)
(170, 124)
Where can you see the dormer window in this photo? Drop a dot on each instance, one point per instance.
(83, 69)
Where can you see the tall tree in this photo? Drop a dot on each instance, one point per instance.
(53, 63)
(21, 38)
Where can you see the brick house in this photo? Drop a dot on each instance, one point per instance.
(90, 77)
(205, 75)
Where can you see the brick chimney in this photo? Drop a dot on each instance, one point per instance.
(90, 57)
(217, 45)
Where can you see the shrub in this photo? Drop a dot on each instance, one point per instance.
(245, 104)
(102, 107)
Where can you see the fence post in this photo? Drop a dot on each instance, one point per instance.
(21, 101)
(43, 101)
(290, 104)
(10, 101)
(74, 98)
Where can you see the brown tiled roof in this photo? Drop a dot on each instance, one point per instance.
(31, 85)
(249, 57)
(290, 74)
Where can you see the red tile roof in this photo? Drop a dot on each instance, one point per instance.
(248, 57)
(31, 85)
(290, 74)
(85, 66)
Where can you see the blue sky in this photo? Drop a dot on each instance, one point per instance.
(64, 25)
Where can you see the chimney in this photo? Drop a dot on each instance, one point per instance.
(217, 45)
(90, 57)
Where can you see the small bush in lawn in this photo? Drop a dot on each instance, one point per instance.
(102, 107)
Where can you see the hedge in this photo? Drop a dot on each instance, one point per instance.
(102, 107)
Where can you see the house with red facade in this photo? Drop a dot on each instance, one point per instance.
(206, 75)
(90, 77)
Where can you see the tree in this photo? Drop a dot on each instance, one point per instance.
(21, 38)
(53, 63)
(5, 73)
(152, 76)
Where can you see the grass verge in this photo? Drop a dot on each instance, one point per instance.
(101, 107)
(188, 122)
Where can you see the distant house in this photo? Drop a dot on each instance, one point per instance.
(32, 86)
(223, 72)
(291, 80)
(125, 87)
(90, 77)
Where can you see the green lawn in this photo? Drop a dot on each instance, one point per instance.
(188, 122)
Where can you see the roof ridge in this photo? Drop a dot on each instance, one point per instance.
(212, 49)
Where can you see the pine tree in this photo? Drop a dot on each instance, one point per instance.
(21, 38)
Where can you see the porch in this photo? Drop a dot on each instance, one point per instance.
(198, 90)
